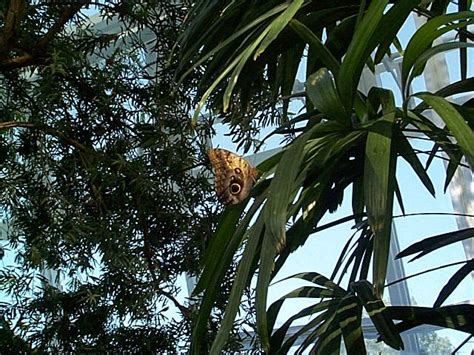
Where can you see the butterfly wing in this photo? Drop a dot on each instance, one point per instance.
(234, 176)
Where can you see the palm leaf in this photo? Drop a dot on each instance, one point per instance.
(378, 313)
(456, 124)
(316, 46)
(322, 92)
(459, 317)
(379, 176)
(241, 280)
(423, 38)
(430, 244)
(453, 282)
(359, 50)
(349, 314)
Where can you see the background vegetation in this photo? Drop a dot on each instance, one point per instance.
(96, 156)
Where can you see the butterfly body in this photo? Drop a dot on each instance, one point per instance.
(234, 176)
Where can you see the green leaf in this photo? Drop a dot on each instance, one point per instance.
(278, 337)
(407, 152)
(359, 50)
(316, 45)
(349, 315)
(420, 63)
(378, 313)
(278, 25)
(187, 55)
(312, 292)
(322, 92)
(217, 260)
(288, 65)
(436, 242)
(423, 38)
(455, 122)
(358, 204)
(320, 321)
(458, 87)
(243, 271)
(282, 188)
(318, 279)
(330, 340)
(240, 62)
(280, 194)
(379, 178)
(220, 241)
(453, 164)
(399, 197)
(225, 243)
(453, 282)
(459, 317)
(393, 21)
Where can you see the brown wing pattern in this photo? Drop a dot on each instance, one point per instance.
(234, 176)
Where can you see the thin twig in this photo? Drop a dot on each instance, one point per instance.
(434, 214)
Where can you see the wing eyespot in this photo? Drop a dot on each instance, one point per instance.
(235, 188)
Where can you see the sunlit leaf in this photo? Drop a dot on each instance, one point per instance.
(359, 50)
(322, 92)
(456, 124)
(379, 176)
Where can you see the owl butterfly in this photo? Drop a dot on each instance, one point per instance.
(234, 176)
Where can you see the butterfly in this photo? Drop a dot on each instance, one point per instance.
(234, 176)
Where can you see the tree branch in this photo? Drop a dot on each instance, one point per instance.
(12, 23)
(37, 53)
(46, 129)
(67, 14)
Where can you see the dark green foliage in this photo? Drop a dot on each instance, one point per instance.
(98, 178)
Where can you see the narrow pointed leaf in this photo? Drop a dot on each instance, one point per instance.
(359, 50)
(278, 25)
(330, 342)
(420, 63)
(318, 279)
(453, 282)
(459, 317)
(399, 197)
(233, 37)
(457, 87)
(378, 313)
(241, 62)
(430, 244)
(392, 21)
(456, 124)
(358, 203)
(349, 315)
(407, 152)
(278, 337)
(243, 271)
(379, 177)
(424, 37)
(323, 53)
